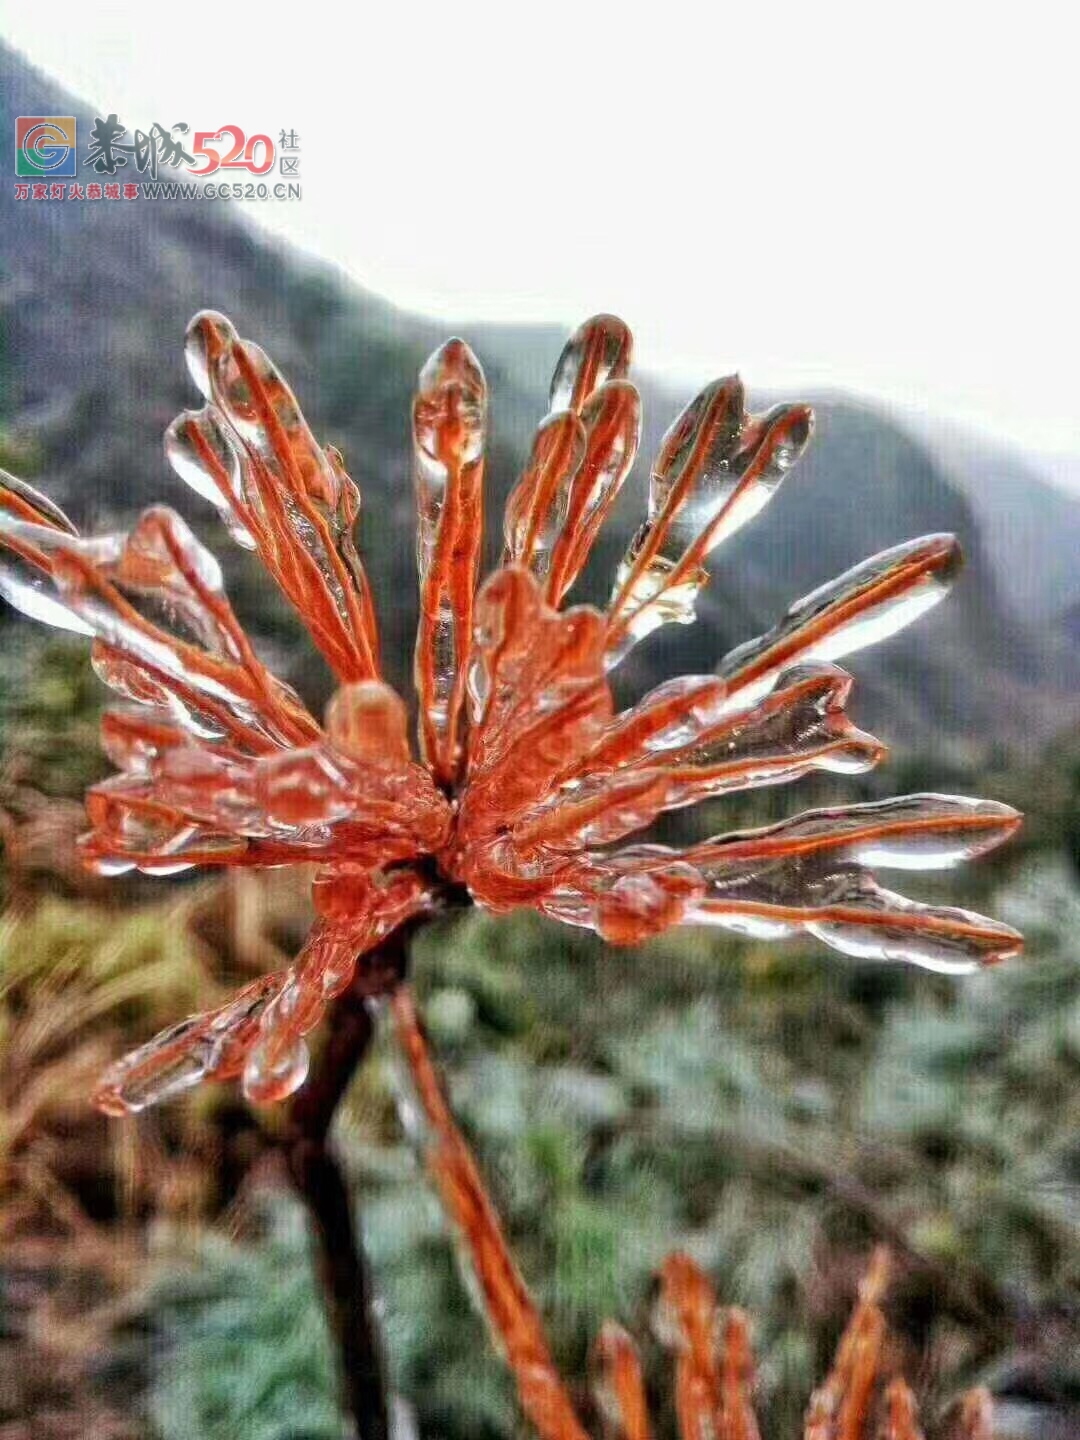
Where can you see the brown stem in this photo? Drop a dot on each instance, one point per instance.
(320, 1184)
(509, 1307)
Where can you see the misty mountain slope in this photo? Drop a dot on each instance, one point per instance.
(970, 666)
(1031, 525)
(94, 299)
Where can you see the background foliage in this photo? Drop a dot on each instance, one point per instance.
(772, 1109)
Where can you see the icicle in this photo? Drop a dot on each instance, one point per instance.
(598, 351)
(449, 432)
(612, 421)
(629, 779)
(23, 502)
(865, 605)
(251, 453)
(537, 508)
(717, 468)
(203, 1047)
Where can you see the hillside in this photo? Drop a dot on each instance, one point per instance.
(93, 303)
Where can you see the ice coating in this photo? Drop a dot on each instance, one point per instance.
(538, 692)
(369, 721)
(630, 778)
(529, 790)
(276, 1064)
(625, 896)
(165, 633)
(211, 1046)
(672, 715)
(251, 453)
(800, 725)
(907, 832)
(25, 503)
(717, 468)
(850, 912)
(811, 873)
(260, 1033)
(217, 806)
(536, 510)
(449, 435)
(598, 351)
(581, 455)
(200, 448)
(865, 605)
(612, 421)
(27, 582)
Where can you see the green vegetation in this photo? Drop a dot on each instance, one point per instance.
(247, 1331)
(772, 1109)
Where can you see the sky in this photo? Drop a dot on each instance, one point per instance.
(875, 198)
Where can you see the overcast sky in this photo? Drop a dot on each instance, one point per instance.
(877, 198)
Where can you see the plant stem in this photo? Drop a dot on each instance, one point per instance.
(320, 1183)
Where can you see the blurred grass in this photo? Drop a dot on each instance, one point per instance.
(50, 705)
(772, 1109)
(78, 983)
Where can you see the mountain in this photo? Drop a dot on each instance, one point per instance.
(1031, 523)
(94, 298)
